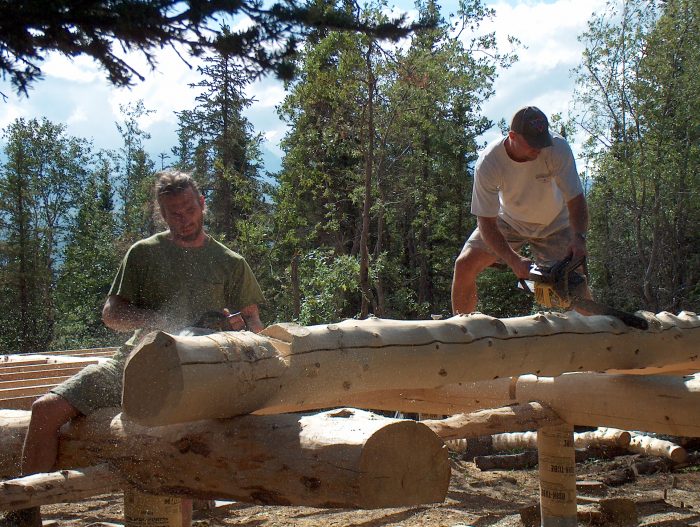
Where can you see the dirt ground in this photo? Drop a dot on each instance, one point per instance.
(665, 498)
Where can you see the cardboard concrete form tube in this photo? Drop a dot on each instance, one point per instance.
(341, 458)
(172, 379)
(557, 469)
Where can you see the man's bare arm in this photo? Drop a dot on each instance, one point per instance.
(251, 315)
(578, 219)
(120, 315)
(491, 234)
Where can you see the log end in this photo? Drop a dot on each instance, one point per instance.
(404, 464)
(152, 380)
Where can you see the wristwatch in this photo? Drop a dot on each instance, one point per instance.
(581, 235)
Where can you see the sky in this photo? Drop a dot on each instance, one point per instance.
(77, 94)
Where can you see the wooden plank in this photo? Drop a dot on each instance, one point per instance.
(11, 393)
(23, 383)
(68, 370)
(17, 362)
(85, 351)
(19, 403)
(52, 366)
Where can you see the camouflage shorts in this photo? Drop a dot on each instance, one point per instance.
(545, 251)
(97, 385)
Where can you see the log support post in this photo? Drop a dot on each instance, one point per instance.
(557, 470)
(148, 510)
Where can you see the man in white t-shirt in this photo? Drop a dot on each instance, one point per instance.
(526, 190)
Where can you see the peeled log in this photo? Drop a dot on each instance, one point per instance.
(57, 487)
(172, 379)
(488, 422)
(654, 403)
(657, 403)
(340, 458)
(602, 437)
(653, 446)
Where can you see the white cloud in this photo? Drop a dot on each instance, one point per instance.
(77, 93)
(548, 32)
(81, 69)
(78, 116)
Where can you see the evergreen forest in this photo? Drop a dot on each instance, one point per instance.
(371, 205)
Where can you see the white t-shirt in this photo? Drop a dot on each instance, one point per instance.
(530, 196)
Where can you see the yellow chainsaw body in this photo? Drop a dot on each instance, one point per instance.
(546, 296)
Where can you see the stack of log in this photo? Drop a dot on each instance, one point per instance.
(187, 428)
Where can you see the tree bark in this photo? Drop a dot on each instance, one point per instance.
(175, 379)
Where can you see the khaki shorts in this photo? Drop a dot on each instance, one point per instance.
(97, 385)
(545, 251)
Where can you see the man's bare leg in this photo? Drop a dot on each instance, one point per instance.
(49, 413)
(469, 264)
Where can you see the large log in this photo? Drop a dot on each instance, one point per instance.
(341, 458)
(175, 379)
(658, 403)
(654, 403)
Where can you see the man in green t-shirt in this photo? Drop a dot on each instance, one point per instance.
(165, 282)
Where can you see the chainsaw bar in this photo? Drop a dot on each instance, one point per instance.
(601, 309)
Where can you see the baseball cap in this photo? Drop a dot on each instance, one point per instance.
(532, 124)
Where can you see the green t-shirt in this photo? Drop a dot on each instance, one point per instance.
(183, 283)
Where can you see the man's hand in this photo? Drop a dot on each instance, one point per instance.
(234, 321)
(577, 247)
(521, 268)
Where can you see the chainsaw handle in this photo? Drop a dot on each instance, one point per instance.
(523, 284)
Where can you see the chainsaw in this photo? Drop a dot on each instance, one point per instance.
(556, 287)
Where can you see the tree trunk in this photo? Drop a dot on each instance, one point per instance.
(365, 288)
(175, 379)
